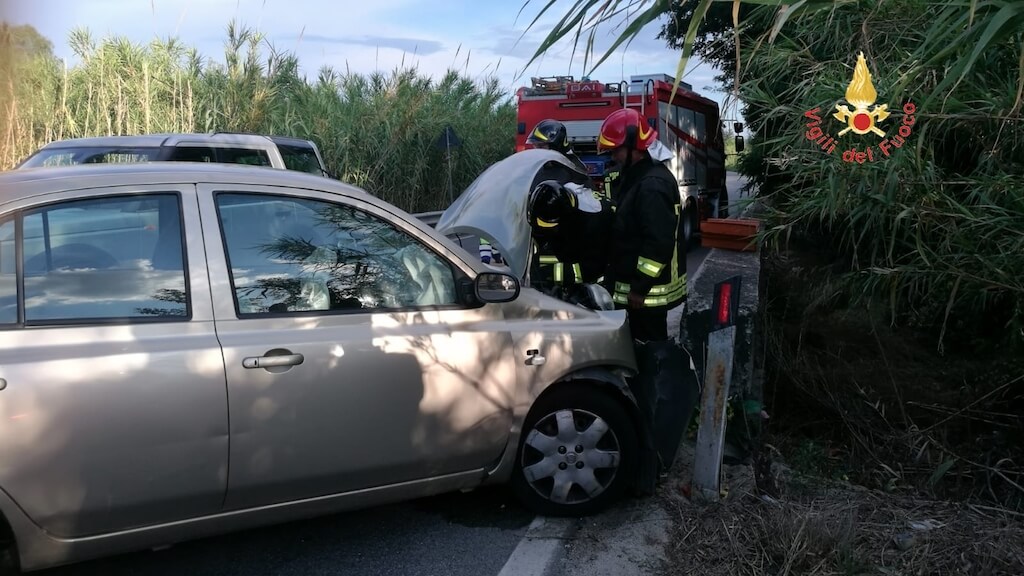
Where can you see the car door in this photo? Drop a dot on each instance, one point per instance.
(352, 361)
(113, 408)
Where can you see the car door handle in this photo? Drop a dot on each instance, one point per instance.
(272, 361)
(534, 358)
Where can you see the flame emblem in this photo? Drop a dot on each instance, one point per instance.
(861, 93)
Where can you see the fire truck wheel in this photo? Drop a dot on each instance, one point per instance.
(723, 204)
(691, 224)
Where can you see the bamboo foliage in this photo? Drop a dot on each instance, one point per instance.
(936, 231)
(377, 131)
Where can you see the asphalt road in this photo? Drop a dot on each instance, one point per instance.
(457, 534)
(469, 534)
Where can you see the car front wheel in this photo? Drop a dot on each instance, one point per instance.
(577, 454)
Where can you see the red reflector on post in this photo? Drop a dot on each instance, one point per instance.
(724, 305)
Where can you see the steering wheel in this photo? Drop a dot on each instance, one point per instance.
(74, 256)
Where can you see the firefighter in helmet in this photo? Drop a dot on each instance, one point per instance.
(552, 135)
(647, 267)
(570, 225)
(556, 263)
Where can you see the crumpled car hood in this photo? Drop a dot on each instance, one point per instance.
(494, 205)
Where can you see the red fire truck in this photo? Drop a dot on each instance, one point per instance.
(687, 124)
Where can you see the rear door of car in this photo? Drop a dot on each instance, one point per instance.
(351, 360)
(114, 408)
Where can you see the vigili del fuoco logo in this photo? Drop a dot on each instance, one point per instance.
(865, 119)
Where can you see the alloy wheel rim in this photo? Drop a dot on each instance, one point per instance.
(571, 456)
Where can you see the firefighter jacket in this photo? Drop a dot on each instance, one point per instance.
(646, 254)
(576, 251)
(548, 270)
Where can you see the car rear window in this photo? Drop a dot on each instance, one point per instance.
(300, 158)
(223, 155)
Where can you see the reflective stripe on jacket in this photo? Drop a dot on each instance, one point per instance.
(646, 254)
(561, 273)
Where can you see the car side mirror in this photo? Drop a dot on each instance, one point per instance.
(496, 287)
(739, 143)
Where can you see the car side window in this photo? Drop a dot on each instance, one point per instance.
(293, 255)
(218, 154)
(110, 258)
(8, 277)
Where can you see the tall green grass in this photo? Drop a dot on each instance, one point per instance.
(937, 229)
(376, 131)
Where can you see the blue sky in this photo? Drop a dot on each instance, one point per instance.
(478, 38)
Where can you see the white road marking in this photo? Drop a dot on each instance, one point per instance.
(542, 545)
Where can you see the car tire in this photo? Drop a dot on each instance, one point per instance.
(723, 204)
(8, 550)
(8, 560)
(578, 452)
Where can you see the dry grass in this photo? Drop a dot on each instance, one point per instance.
(819, 528)
(851, 395)
(899, 459)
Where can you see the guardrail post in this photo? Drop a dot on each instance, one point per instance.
(715, 398)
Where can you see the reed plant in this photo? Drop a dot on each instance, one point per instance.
(377, 131)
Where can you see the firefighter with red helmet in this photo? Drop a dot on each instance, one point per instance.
(646, 275)
(634, 244)
(647, 267)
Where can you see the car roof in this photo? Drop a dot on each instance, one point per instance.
(152, 140)
(29, 182)
(290, 141)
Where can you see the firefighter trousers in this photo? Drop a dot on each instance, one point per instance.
(648, 325)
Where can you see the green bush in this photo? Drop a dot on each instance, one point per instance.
(937, 229)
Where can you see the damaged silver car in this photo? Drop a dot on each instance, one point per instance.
(190, 349)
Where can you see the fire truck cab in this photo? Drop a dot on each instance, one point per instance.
(687, 123)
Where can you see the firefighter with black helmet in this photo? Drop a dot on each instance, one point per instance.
(556, 265)
(551, 135)
(570, 225)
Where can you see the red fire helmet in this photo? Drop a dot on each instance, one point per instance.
(627, 128)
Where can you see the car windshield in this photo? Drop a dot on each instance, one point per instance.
(91, 155)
